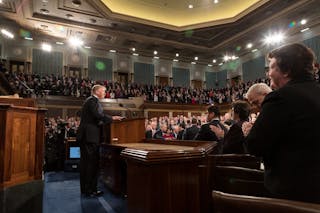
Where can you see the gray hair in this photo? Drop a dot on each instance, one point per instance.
(258, 88)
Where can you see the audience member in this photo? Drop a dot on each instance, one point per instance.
(285, 133)
(191, 132)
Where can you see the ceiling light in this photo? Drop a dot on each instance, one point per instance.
(214, 61)
(156, 57)
(254, 50)
(28, 38)
(209, 65)
(303, 21)
(274, 38)
(176, 60)
(46, 47)
(1, 2)
(190, 6)
(305, 29)
(87, 47)
(216, 1)
(155, 52)
(135, 54)
(113, 51)
(133, 49)
(249, 46)
(220, 64)
(196, 58)
(226, 58)
(74, 41)
(59, 43)
(7, 33)
(177, 54)
(193, 62)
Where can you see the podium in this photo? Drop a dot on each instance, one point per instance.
(112, 166)
(22, 134)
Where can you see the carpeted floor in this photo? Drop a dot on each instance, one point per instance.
(62, 195)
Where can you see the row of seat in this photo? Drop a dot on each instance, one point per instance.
(238, 186)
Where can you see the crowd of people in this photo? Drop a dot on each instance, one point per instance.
(34, 84)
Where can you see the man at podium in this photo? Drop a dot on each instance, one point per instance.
(88, 135)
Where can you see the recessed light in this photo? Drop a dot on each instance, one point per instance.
(133, 49)
(28, 38)
(196, 58)
(155, 52)
(87, 47)
(46, 47)
(156, 57)
(76, 3)
(7, 33)
(209, 65)
(214, 61)
(216, 1)
(193, 62)
(221, 64)
(59, 43)
(305, 29)
(135, 54)
(74, 41)
(303, 21)
(176, 60)
(69, 16)
(190, 6)
(249, 46)
(113, 51)
(177, 54)
(254, 50)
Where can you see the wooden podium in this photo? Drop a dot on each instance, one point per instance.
(22, 134)
(168, 176)
(113, 167)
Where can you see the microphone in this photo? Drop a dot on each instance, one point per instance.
(128, 110)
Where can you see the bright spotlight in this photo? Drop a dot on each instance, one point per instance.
(274, 38)
(7, 33)
(74, 41)
(46, 47)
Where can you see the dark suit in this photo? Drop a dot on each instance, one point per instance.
(148, 134)
(190, 133)
(286, 135)
(206, 134)
(233, 142)
(158, 134)
(92, 118)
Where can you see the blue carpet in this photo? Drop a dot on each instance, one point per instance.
(62, 195)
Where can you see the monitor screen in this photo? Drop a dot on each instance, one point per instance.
(74, 152)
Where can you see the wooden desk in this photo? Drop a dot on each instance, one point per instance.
(165, 176)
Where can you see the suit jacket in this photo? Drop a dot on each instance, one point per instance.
(286, 134)
(92, 118)
(158, 134)
(148, 134)
(205, 133)
(233, 142)
(190, 132)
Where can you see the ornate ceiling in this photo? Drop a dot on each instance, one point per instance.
(120, 24)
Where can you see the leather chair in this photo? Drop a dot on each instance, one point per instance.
(239, 180)
(230, 203)
(240, 160)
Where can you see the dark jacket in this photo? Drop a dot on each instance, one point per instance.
(233, 142)
(287, 136)
(206, 134)
(190, 132)
(92, 118)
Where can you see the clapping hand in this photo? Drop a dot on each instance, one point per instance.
(246, 127)
(218, 131)
(117, 118)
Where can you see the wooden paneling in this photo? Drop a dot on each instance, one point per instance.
(175, 114)
(22, 138)
(152, 114)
